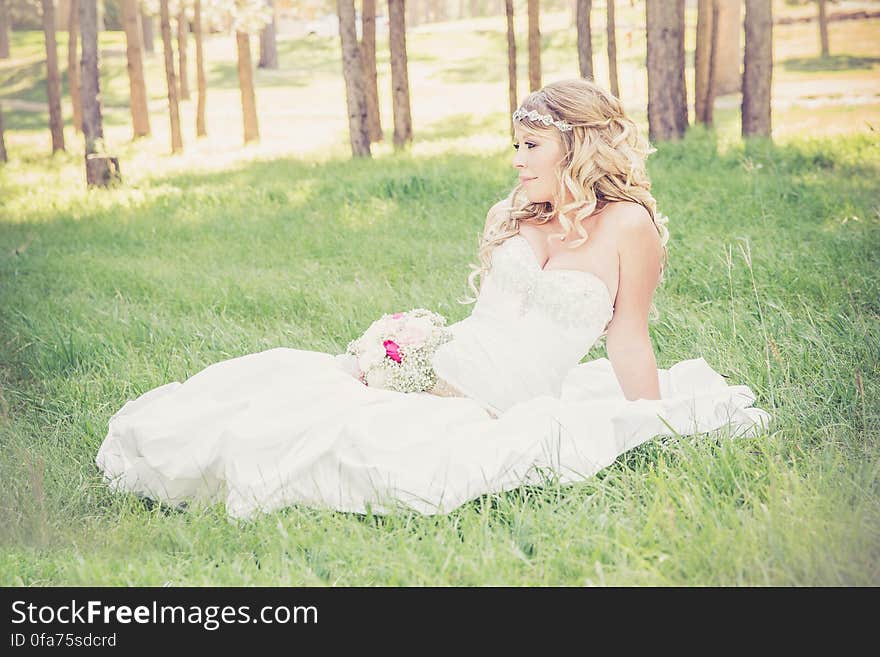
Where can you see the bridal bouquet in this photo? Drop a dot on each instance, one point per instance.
(395, 352)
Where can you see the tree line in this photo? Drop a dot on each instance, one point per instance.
(664, 23)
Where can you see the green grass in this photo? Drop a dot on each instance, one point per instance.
(226, 251)
(772, 279)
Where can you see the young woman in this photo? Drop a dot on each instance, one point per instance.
(575, 252)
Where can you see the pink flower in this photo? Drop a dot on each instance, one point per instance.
(397, 315)
(391, 350)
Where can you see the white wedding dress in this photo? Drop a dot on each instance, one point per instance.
(290, 426)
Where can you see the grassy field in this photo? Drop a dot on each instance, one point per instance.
(225, 251)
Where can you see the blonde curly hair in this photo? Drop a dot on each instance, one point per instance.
(604, 161)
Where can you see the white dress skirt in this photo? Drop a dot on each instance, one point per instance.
(289, 426)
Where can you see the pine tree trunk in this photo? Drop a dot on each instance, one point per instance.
(611, 30)
(728, 75)
(399, 75)
(4, 30)
(147, 26)
(182, 33)
(73, 65)
(170, 77)
(513, 101)
(823, 29)
(706, 60)
(246, 82)
(667, 95)
(3, 156)
(709, 100)
(371, 76)
(131, 23)
(53, 77)
(268, 43)
(355, 87)
(534, 45)
(201, 128)
(585, 39)
(757, 69)
(701, 56)
(101, 169)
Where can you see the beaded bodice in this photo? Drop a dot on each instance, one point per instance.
(528, 327)
(574, 298)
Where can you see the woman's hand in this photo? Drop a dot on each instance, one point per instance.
(627, 343)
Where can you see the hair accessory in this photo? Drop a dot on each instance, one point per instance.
(546, 119)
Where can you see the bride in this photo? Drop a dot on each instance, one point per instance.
(573, 254)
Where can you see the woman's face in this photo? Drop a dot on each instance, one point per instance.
(536, 160)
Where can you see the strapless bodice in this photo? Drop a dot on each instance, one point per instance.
(528, 328)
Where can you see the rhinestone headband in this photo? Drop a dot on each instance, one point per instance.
(546, 119)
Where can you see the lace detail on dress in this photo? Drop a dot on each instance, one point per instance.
(573, 298)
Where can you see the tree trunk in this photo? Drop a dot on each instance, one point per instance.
(667, 95)
(268, 44)
(131, 23)
(355, 88)
(93, 127)
(585, 39)
(513, 101)
(706, 60)
(728, 75)
(3, 157)
(201, 129)
(4, 30)
(53, 78)
(823, 29)
(182, 33)
(534, 46)
(147, 27)
(246, 82)
(371, 76)
(757, 69)
(399, 75)
(101, 169)
(611, 30)
(170, 77)
(73, 65)
(701, 56)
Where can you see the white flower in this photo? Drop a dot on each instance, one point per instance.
(377, 377)
(371, 356)
(415, 332)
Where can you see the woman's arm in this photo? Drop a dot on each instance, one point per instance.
(628, 343)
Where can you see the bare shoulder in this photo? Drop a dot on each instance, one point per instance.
(633, 227)
(627, 216)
